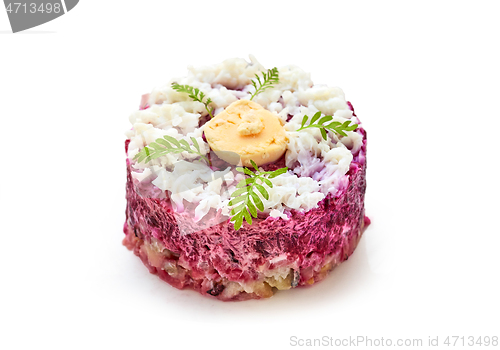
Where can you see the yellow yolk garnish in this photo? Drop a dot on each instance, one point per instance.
(249, 131)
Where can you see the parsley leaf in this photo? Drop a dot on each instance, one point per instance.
(196, 95)
(337, 127)
(268, 79)
(246, 194)
(166, 145)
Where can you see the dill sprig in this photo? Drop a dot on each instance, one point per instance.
(268, 79)
(337, 127)
(246, 194)
(196, 95)
(166, 145)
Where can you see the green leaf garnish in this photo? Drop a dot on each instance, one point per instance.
(278, 172)
(268, 79)
(337, 127)
(166, 145)
(196, 95)
(246, 194)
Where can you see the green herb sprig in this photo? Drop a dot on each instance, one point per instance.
(246, 194)
(337, 127)
(166, 145)
(268, 79)
(196, 95)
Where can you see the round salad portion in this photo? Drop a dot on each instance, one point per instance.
(242, 180)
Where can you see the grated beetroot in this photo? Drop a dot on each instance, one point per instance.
(213, 253)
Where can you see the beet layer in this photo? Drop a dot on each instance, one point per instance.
(211, 256)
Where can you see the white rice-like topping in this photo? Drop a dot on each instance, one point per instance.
(317, 167)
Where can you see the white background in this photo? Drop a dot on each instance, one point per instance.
(424, 79)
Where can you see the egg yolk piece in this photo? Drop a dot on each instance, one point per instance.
(246, 131)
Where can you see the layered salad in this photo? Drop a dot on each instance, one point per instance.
(243, 180)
